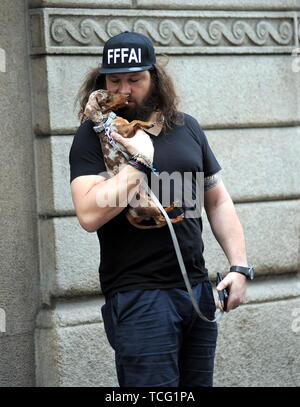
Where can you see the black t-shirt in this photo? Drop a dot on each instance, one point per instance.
(133, 258)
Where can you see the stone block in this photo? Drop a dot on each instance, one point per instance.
(272, 238)
(70, 259)
(219, 4)
(172, 4)
(244, 91)
(53, 176)
(41, 104)
(257, 346)
(17, 360)
(273, 288)
(71, 347)
(19, 288)
(252, 158)
(54, 105)
(81, 3)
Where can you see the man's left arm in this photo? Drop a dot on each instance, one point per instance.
(228, 231)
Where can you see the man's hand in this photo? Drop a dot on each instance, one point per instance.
(236, 284)
(139, 143)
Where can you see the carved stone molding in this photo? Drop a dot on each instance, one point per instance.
(173, 4)
(73, 31)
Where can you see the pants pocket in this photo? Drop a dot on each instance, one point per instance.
(207, 300)
(108, 321)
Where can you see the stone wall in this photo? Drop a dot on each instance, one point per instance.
(232, 65)
(234, 71)
(19, 264)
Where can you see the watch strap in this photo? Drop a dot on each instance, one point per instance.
(240, 269)
(246, 271)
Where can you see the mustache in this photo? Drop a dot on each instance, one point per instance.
(140, 111)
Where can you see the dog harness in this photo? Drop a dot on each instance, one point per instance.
(106, 128)
(105, 125)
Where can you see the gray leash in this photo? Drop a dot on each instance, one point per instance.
(180, 259)
(220, 314)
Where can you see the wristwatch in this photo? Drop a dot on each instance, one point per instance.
(247, 271)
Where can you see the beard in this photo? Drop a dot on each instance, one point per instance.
(140, 111)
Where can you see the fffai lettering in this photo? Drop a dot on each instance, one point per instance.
(127, 55)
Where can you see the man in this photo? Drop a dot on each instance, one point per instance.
(149, 319)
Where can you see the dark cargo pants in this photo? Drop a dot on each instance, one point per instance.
(158, 338)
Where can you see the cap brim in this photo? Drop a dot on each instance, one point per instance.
(125, 70)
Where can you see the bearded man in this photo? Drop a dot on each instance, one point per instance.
(149, 319)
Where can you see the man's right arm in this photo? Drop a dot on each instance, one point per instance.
(97, 199)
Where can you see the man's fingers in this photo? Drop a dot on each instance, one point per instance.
(221, 286)
(121, 140)
(116, 135)
(236, 289)
(234, 302)
(231, 307)
(140, 143)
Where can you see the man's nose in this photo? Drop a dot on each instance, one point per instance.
(124, 88)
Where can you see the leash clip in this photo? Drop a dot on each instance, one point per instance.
(106, 126)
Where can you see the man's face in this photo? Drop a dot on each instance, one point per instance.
(137, 86)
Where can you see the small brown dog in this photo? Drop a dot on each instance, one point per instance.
(98, 107)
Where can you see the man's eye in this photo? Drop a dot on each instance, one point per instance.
(114, 80)
(134, 80)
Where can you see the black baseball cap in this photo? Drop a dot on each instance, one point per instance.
(127, 52)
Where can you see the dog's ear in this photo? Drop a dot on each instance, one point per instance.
(102, 97)
(109, 96)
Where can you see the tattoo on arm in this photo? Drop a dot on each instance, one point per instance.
(211, 181)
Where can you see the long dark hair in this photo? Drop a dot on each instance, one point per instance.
(163, 88)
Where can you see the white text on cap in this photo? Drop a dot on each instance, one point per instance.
(125, 54)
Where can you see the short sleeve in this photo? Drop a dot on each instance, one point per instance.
(210, 163)
(86, 156)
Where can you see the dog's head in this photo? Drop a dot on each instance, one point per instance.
(101, 102)
(114, 101)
